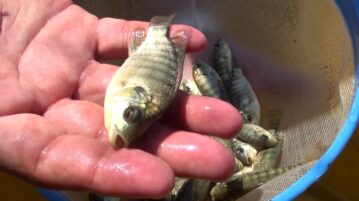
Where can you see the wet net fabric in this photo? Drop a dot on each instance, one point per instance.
(296, 54)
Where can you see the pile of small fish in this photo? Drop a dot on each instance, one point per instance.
(256, 149)
(136, 98)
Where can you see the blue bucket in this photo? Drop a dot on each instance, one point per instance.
(350, 12)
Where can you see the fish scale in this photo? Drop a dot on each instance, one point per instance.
(243, 151)
(243, 96)
(248, 181)
(257, 136)
(147, 82)
(222, 60)
(208, 81)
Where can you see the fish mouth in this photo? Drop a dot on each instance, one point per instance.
(250, 159)
(116, 139)
(118, 143)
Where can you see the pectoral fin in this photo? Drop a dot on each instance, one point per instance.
(180, 40)
(136, 39)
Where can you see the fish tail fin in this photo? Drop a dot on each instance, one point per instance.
(159, 25)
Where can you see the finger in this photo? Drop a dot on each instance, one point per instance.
(113, 36)
(189, 154)
(204, 115)
(38, 150)
(130, 173)
(94, 81)
(79, 117)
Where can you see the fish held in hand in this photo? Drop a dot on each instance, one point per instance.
(147, 82)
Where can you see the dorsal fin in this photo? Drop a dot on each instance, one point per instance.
(161, 20)
(159, 25)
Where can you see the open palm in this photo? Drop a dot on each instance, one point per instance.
(51, 108)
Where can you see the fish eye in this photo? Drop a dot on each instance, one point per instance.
(264, 138)
(196, 66)
(249, 118)
(139, 89)
(132, 114)
(241, 150)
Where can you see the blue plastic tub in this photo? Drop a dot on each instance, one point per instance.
(350, 12)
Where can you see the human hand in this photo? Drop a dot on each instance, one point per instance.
(51, 108)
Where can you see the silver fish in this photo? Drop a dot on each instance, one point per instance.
(228, 144)
(236, 185)
(201, 189)
(244, 170)
(238, 165)
(244, 98)
(245, 152)
(145, 85)
(190, 87)
(179, 188)
(257, 136)
(222, 60)
(208, 81)
(268, 158)
(194, 190)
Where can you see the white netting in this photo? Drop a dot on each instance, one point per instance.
(297, 55)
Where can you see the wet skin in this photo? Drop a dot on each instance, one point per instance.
(51, 108)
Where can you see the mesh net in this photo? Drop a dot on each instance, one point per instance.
(296, 54)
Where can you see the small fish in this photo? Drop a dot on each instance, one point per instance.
(200, 189)
(246, 118)
(228, 144)
(180, 186)
(222, 60)
(268, 158)
(245, 152)
(208, 81)
(195, 190)
(190, 87)
(236, 185)
(221, 192)
(257, 136)
(244, 98)
(145, 85)
(238, 165)
(244, 170)
(220, 189)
